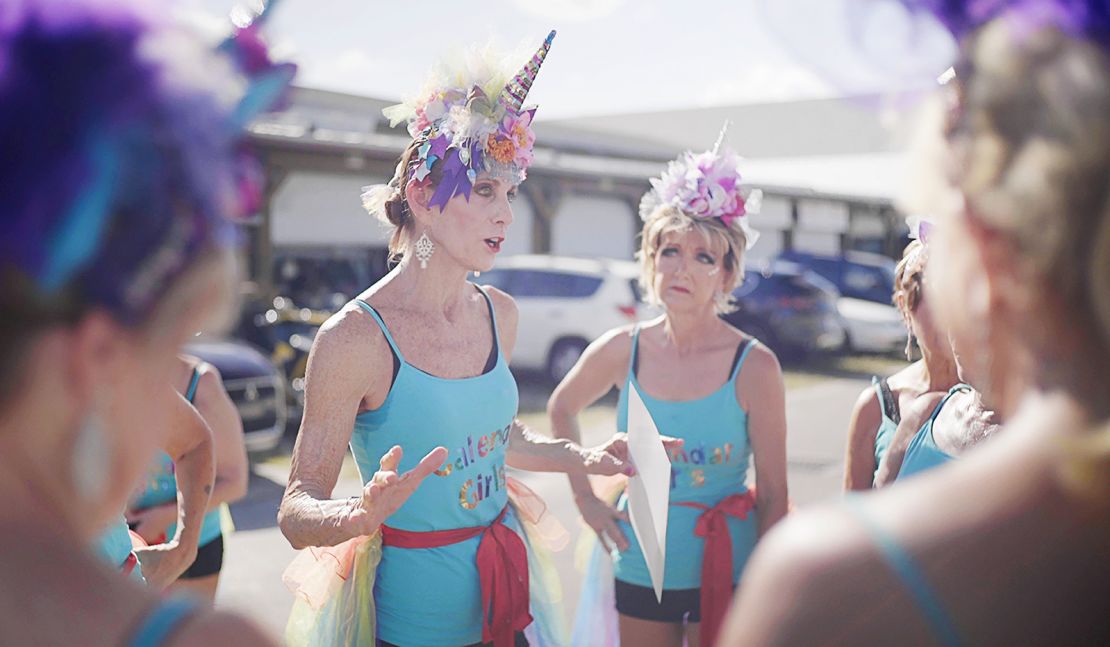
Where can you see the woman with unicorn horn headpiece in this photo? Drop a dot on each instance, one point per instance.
(414, 376)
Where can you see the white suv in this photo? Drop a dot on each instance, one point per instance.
(565, 303)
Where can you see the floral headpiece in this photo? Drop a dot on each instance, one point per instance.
(706, 185)
(127, 167)
(467, 121)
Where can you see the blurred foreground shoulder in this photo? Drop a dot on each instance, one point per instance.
(220, 628)
(794, 587)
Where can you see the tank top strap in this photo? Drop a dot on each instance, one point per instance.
(157, 627)
(633, 357)
(905, 568)
(959, 388)
(194, 380)
(381, 324)
(887, 403)
(492, 318)
(747, 347)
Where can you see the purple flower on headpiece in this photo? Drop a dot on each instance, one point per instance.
(706, 185)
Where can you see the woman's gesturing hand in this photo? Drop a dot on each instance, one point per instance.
(612, 457)
(387, 490)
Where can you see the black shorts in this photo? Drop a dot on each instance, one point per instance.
(679, 605)
(209, 561)
(518, 641)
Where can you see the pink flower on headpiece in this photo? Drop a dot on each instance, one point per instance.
(515, 129)
(706, 185)
(428, 112)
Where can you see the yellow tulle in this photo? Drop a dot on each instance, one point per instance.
(334, 586)
(334, 590)
(543, 534)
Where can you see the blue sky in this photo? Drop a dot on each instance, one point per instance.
(612, 56)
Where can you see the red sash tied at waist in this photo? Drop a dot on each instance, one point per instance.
(502, 572)
(716, 564)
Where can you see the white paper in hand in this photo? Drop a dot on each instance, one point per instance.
(649, 491)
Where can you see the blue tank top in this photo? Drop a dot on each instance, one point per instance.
(114, 547)
(923, 453)
(888, 406)
(712, 465)
(160, 485)
(432, 596)
(158, 626)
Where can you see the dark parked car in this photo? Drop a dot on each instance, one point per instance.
(788, 308)
(857, 275)
(255, 386)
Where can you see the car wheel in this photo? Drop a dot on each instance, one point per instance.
(563, 356)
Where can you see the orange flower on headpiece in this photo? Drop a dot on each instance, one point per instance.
(500, 149)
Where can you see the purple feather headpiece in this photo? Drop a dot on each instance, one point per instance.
(122, 156)
(1089, 19)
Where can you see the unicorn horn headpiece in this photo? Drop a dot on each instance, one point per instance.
(470, 119)
(512, 97)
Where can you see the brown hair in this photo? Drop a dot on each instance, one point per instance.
(1031, 138)
(907, 278)
(665, 220)
(395, 211)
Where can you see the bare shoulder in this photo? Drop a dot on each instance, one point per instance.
(347, 353)
(614, 345)
(221, 629)
(762, 359)
(349, 334)
(504, 306)
(760, 374)
(867, 404)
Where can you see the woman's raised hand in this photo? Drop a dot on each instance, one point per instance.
(387, 490)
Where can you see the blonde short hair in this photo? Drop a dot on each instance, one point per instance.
(666, 220)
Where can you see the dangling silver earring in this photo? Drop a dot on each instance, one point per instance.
(909, 347)
(92, 459)
(423, 249)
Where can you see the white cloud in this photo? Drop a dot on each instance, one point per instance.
(353, 70)
(569, 10)
(764, 82)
